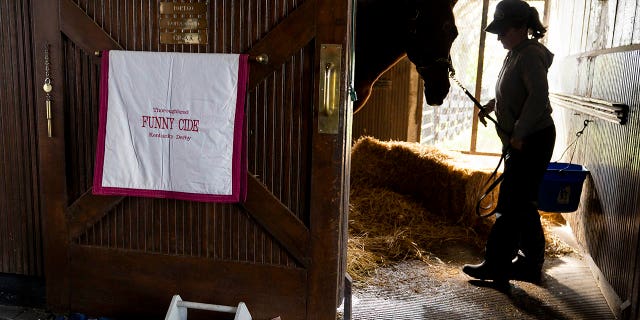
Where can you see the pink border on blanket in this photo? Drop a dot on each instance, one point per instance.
(239, 160)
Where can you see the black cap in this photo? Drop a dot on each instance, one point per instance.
(507, 13)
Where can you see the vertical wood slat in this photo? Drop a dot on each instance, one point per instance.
(388, 110)
(625, 18)
(577, 24)
(20, 228)
(636, 30)
(596, 24)
(276, 134)
(225, 233)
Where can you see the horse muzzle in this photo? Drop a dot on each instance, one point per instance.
(435, 93)
(436, 83)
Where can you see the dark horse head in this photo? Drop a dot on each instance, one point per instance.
(386, 30)
(431, 30)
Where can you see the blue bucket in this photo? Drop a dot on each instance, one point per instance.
(561, 187)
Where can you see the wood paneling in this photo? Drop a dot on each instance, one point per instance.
(593, 25)
(274, 291)
(278, 123)
(81, 118)
(20, 225)
(394, 110)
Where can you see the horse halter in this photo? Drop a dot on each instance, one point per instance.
(439, 61)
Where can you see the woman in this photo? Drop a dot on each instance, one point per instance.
(515, 247)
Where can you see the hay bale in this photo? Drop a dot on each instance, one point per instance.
(447, 184)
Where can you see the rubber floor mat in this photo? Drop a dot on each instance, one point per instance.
(439, 290)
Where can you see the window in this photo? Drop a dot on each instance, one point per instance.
(452, 125)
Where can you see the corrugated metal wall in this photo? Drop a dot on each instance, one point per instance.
(597, 55)
(394, 109)
(20, 229)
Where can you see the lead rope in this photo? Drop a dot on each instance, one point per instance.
(489, 191)
(452, 74)
(490, 186)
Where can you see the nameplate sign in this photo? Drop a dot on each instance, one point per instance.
(183, 8)
(183, 37)
(183, 23)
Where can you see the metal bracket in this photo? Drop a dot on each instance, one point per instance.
(329, 100)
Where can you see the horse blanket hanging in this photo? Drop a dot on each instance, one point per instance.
(171, 126)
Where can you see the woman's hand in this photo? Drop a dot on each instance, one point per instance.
(486, 109)
(481, 116)
(516, 144)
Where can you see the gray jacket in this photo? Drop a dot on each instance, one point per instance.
(522, 91)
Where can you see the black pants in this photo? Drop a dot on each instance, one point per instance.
(518, 226)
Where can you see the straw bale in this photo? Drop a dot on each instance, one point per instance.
(448, 184)
(407, 199)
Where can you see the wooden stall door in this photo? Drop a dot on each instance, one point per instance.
(280, 252)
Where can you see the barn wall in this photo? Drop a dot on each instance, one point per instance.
(598, 55)
(394, 109)
(20, 228)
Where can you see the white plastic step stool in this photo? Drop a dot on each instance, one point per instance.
(178, 309)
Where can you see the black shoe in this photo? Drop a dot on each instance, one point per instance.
(486, 271)
(524, 270)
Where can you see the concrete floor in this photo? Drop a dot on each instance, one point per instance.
(23, 313)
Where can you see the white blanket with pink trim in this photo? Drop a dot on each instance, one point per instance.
(171, 126)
